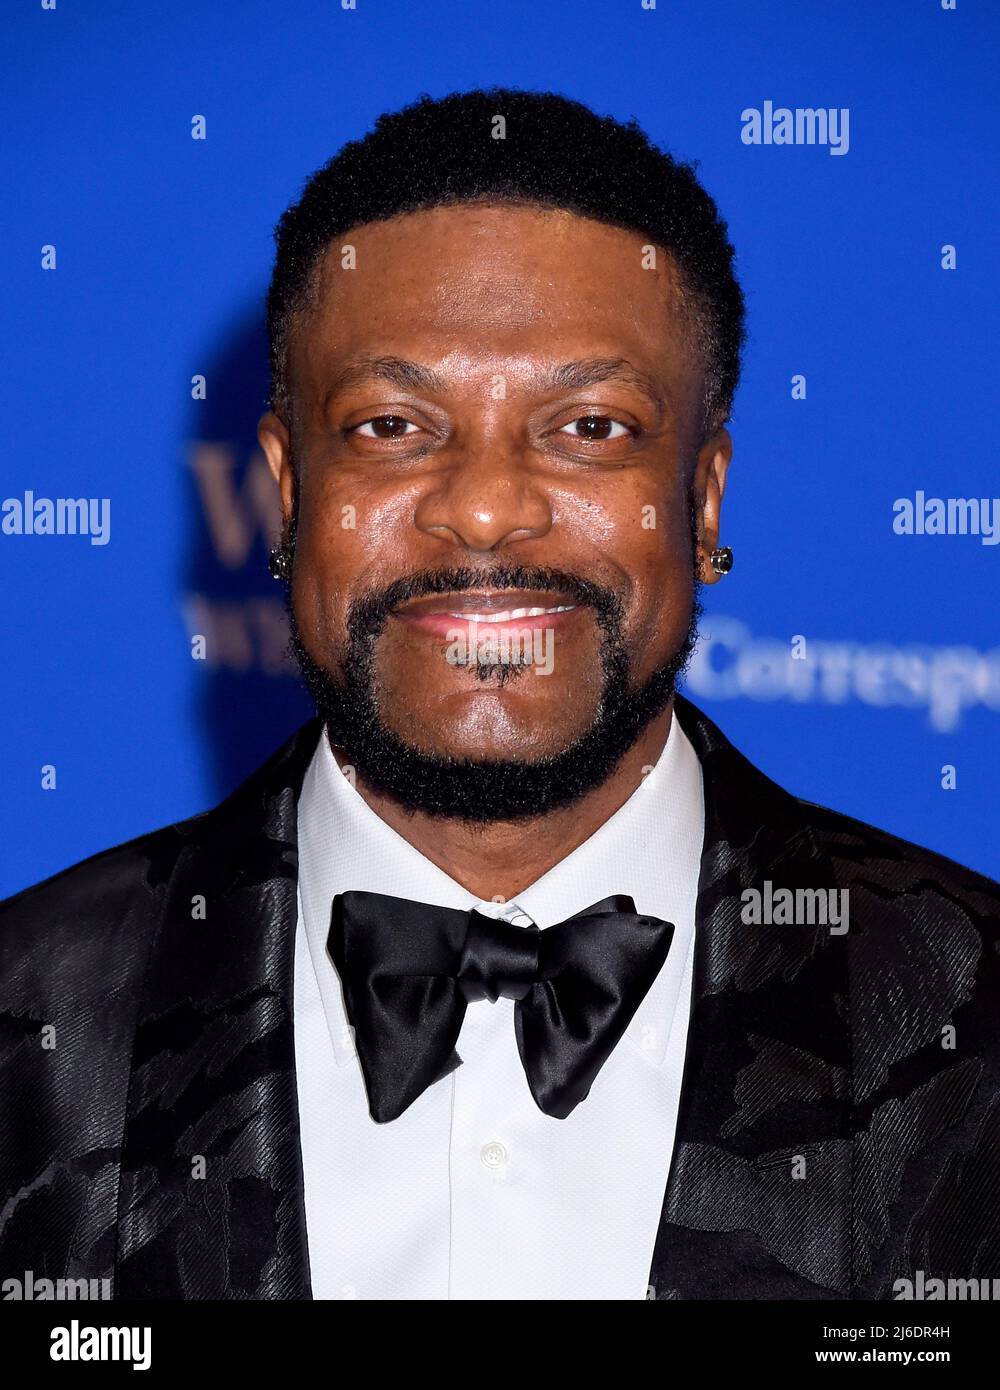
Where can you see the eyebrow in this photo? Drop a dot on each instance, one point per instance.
(413, 376)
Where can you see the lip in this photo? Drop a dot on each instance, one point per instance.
(499, 613)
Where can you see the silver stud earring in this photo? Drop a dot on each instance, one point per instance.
(721, 559)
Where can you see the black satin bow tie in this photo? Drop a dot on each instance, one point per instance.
(409, 969)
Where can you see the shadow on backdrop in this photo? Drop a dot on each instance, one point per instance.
(248, 696)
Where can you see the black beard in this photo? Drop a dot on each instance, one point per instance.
(481, 791)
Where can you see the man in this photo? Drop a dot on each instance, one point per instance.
(478, 988)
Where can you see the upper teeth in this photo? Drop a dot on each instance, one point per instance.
(511, 614)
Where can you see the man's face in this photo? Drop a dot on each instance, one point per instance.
(442, 472)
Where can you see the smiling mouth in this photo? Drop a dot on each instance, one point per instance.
(440, 613)
(508, 615)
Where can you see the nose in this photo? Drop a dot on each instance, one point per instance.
(485, 498)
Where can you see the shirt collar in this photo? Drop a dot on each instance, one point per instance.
(649, 849)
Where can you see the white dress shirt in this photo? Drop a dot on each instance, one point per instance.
(473, 1192)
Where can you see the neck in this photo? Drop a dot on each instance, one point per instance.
(501, 859)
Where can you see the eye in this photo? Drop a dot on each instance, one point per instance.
(598, 428)
(385, 427)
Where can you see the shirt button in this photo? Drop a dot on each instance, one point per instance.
(494, 1155)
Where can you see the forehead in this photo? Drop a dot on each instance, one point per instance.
(503, 286)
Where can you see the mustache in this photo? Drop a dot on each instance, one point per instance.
(368, 614)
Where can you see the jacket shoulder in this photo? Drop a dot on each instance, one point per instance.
(89, 923)
(109, 873)
(894, 863)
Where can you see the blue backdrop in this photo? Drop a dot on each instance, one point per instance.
(137, 260)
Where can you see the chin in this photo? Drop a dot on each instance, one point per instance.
(488, 726)
(533, 748)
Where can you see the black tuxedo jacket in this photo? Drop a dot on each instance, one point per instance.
(839, 1124)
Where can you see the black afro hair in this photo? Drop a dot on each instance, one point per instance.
(556, 152)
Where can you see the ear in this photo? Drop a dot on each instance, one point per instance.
(272, 434)
(709, 484)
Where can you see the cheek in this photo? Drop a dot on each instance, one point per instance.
(654, 551)
(637, 525)
(328, 558)
(347, 542)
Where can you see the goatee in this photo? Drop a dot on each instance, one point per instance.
(483, 791)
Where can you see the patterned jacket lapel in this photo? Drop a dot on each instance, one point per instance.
(757, 1203)
(211, 1201)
